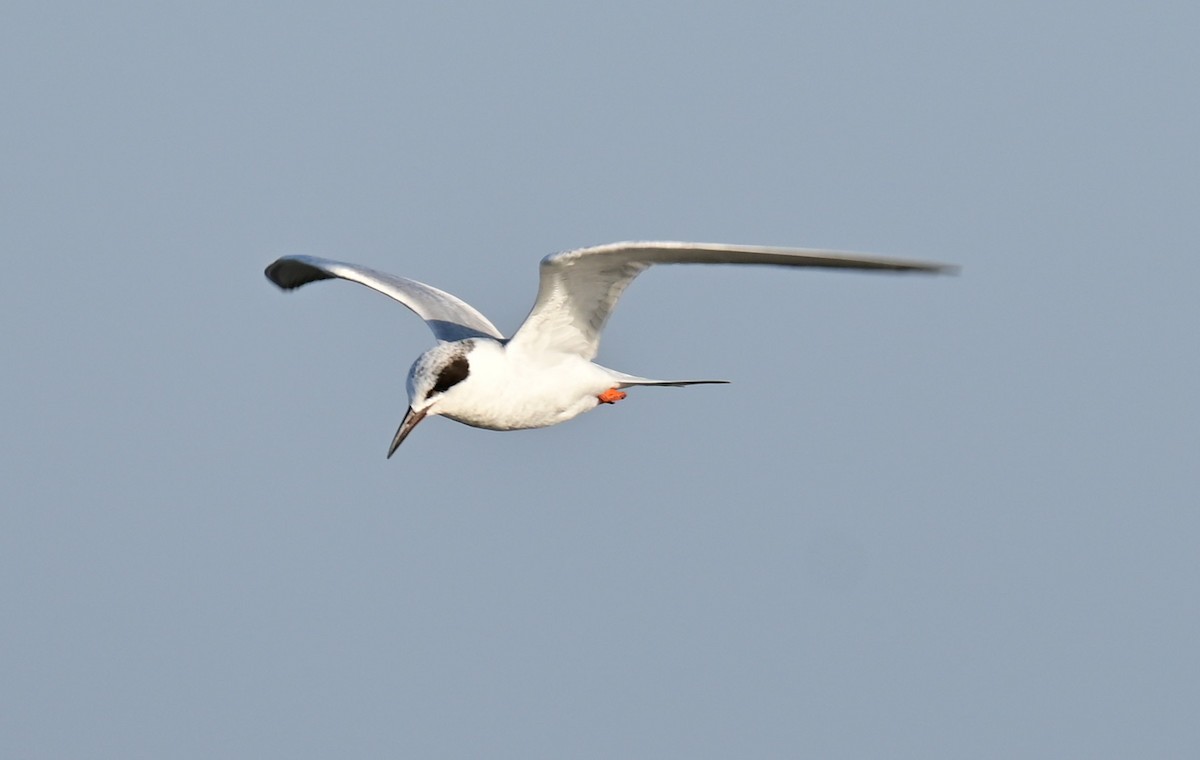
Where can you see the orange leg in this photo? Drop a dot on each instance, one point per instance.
(611, 396)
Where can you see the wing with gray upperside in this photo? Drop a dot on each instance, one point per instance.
(449, 317)
(578, 289)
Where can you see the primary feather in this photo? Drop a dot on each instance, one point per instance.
(449, 317)
(579, 289)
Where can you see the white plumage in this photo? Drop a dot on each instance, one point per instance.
(544, 375)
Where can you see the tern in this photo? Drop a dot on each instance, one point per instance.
(544, 373)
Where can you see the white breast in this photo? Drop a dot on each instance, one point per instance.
(508, 390)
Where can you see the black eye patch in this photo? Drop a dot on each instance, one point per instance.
(452, 374)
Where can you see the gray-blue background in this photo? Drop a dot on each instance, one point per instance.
(932, 517)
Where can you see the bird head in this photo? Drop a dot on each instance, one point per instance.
(433, 373)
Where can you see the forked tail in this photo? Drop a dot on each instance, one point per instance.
(625, 380)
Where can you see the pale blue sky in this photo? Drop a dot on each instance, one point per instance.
(930, 518)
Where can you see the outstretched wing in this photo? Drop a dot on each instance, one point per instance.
(579, 288)
(449, 317)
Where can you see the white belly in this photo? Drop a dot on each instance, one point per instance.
(506, 392)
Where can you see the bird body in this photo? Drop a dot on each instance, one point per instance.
(511, 389)
(544, 374)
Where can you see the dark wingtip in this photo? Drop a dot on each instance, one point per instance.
(289, 273)
(270, 272)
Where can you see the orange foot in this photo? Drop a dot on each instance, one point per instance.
(611, 396)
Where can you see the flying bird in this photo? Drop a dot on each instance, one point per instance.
(544, 373)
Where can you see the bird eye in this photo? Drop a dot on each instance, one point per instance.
(450, 375)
